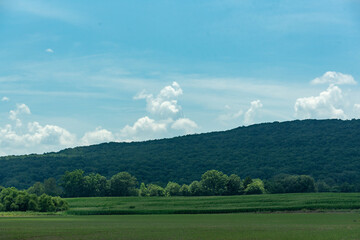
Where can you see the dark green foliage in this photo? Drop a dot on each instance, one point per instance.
(214, 182)
(255, 187)
(291, 184)
(73, 183)
(185, 190)
(196, 189)
(123, 184)
(96, 185)
(247, 181)
(155, 190)
(234, 185)
(327, 150)
(172, 189)
(12, 199)
(37, 189)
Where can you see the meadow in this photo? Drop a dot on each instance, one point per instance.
(268, 216)
(214, 204)
(201, 226)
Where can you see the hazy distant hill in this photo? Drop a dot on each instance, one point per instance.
(325, 149)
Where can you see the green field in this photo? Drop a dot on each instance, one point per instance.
(337, 216)
(214, 226)
(216, 204)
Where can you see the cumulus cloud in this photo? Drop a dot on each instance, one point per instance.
(20, 109)
(99, 135)
(185, 124)
(49, 50)
(33, 137)
(326, 105)
(252, 111)
(143, 128)
(166, 116)
(5, 99)
(163, 105)
(334, 78)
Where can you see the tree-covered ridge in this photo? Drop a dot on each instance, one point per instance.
(327, 150)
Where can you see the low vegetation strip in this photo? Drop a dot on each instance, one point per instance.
(213, 204)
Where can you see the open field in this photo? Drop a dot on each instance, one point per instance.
(201, 226)
(216, 204)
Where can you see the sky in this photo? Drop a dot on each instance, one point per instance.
(76, 73)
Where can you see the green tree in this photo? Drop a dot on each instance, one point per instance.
(123, 184)
(184, 190)
(46, 204)
(155, 190)
(95, 185)
(214, 182)
(144, 192)
(196, 188)
(172, 189)
(255, 187)
(51, 188)
(73, 183)
(38, 189)
(247, 181)
(234, 185)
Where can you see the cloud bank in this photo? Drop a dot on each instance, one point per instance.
(334, 78)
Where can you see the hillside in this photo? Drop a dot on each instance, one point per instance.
(325, 149)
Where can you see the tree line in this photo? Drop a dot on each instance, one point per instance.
(12, 199)
(212, 183)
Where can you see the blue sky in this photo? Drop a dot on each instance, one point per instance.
(83, 72)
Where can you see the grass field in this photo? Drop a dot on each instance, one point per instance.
(215, 226)
(224, 204)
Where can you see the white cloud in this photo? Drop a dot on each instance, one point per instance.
(37, 138)
(20, 109)
(49, 50)
(252, 111)
(326, 105)
(143, 128)
(357, 109)
(100, 135)
(185, 124)
(334, 78)
(33, 137)
(5, 99)
(164, 105)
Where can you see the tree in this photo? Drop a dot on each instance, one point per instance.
(51, 188)
(155, 190)
(247, 181)
(144, 192)
(172, 189)
(234, 185)
(38, 189)
(255, 187)
(214, 182)
(73, 183)
(195, 188)
(291, 184)
(95, 185)
(184, 190)
(123, 184)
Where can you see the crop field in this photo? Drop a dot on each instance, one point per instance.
(200, 226)
(216, 204)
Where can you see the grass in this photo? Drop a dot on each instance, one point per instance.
(223, 204)
(216, 226)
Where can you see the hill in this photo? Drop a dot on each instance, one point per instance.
(325, 149)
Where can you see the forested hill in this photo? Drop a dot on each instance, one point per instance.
(325, 149)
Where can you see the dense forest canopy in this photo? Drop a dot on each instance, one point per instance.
(327, 150)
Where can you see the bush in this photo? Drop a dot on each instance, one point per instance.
(12, 199)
